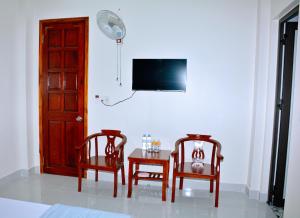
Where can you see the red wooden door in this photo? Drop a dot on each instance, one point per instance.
(63, 55)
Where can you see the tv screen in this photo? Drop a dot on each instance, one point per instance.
(159, 74)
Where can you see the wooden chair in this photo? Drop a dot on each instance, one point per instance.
(112, 161)
(184, 169)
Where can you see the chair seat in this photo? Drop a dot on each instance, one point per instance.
(204, 172)
(102, 162)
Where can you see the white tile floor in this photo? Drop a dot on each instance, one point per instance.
(145, 202)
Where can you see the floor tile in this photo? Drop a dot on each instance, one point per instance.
(145, 201)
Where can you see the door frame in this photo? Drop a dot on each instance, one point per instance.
(42, 23)
(294, 12)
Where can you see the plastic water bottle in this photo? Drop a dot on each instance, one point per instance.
(144, 142)
(148, 142)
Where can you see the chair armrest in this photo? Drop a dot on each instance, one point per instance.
(79, 150)
(220, 157)
(86, 140)
(174, 153)
(80, 146)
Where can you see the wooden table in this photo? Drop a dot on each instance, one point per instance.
(137, 157)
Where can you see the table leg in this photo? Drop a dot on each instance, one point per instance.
(168, 173)
(164, 182)
(137, 167)
(130, 179)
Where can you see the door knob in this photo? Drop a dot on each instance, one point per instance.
(78, 118)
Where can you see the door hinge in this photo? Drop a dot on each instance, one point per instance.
(283, 39)
(43, 39)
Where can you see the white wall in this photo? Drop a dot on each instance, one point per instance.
(13, 144)
(221, 53)
(259, 101)
(280, 7)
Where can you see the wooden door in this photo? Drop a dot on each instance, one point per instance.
(63, 88)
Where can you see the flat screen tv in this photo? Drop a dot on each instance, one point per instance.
(159, 74)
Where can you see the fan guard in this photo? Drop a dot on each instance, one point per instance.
(111, 25)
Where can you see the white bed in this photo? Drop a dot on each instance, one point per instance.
(21, 209)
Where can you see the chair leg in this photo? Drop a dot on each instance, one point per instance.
(123, 175)
(137, 167)
(96, 175)
(168, 172)
(181, 183)
(130, 169)
(211, 186)
(115, 183)
(217, 191)
(79, 179)
(173, 187)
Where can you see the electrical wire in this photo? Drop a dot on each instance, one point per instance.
(117, 79)
(118, 102)
(120, 63)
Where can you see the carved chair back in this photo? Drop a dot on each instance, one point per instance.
(112, 150)
(181, 144)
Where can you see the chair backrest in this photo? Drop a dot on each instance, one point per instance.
(91, 143)
(216, 146)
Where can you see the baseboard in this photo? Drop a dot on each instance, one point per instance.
(35, 170)
(256, 195)
(263, 197)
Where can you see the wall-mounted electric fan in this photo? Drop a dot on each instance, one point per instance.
(113, 27)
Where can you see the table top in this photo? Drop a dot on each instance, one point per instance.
(162, 155)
